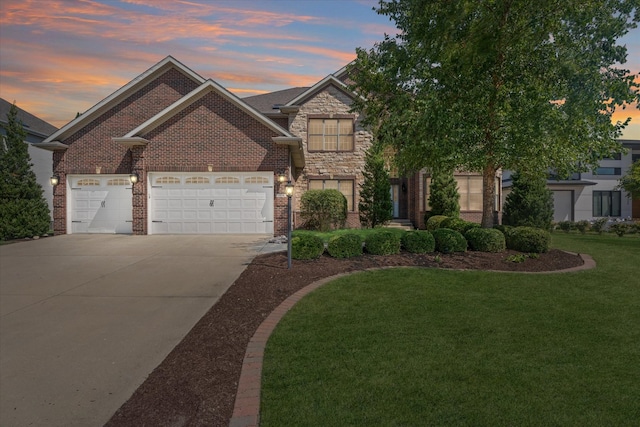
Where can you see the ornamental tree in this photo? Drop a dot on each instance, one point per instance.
(530, 202)
(23, 210)
(484, 85)
(631, 181)
(444, 198)
(375, 206)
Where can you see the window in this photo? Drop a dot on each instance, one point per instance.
(227, 180)
(119, 181)
(609, 171)
(168, 180)
(256, 180)
(470, 189)
(88, 182)
(635, 157)
(330, 134)
(197, 180)
(606, 203)
(616, 156)
(345, 186)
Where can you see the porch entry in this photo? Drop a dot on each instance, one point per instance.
(399, 197)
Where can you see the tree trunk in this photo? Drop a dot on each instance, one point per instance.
(488, 195)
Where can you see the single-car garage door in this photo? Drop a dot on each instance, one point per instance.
(99, 204)
(211, 203)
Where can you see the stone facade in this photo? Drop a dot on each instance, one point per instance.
(330, 101)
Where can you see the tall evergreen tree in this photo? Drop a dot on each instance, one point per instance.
(530, 202)
(375, 206)
(23, 209)
(444, 198)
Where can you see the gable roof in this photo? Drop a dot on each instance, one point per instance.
(31, 123)
(330, 80)
(266, 103)
(134, 85)
(136, 136)
(207, 87)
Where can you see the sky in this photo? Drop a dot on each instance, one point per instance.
(61, 57)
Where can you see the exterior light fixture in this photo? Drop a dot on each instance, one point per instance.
(282, 177)
(289, 191)
(54, 180)
(133, 178)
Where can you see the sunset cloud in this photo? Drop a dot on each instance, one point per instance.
(60, 57)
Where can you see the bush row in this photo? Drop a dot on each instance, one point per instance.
(443, 240)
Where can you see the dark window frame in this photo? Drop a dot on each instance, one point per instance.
(613, 206)
(337, 117)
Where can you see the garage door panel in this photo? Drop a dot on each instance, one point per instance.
(196, 203)
(100, 204)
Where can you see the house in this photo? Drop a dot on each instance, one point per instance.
(589, 195)
(173, 152)
(37, 130)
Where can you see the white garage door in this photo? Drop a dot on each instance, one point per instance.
(100, 204)
(211, 203)
(563, 205)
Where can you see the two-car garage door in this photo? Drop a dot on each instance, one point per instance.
(208, 203)
(177, 203)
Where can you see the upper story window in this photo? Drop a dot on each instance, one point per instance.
(609, 171)
(330, 134)
(615, 156)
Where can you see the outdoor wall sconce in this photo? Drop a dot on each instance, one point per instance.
(133, 178)
(282, 177)
(54, 180)
(210, 168)
(289, 191)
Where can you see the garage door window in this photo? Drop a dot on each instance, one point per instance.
(118, 181)
(197, 180)
(256, 180)
(88, 182)
(168, 180)
(227, 180)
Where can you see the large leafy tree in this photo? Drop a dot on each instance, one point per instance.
(481, 85)
(23, 210)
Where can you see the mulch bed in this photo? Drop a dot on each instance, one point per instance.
(196, 384)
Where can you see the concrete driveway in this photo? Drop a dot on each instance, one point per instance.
(84, 319)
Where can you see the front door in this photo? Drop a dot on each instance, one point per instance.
(395, 199)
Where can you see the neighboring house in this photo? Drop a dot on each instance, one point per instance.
(589, 195)
(205, 161)
(37, 130)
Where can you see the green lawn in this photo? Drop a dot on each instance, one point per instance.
(412, 347)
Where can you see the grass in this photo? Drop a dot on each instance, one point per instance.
(433, 347)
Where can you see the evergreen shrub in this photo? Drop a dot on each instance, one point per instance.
(448, 241)
(485, 240)
(382, 242)
(433, 222)
(418, 242)
(306, 246)
(528, 239)
(322, 210)
(345, 246)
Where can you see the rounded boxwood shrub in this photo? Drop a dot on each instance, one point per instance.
(382, 243)
(418, 242)
(306, 246)
(528, 239)
(345, 246)
(433, 222)
(458, 224)
(448, 241)
(486, 240)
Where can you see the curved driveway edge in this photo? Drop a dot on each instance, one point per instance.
(246, 410)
